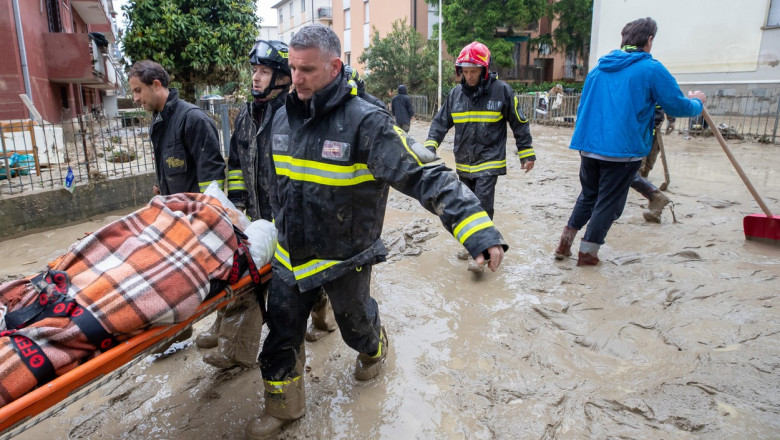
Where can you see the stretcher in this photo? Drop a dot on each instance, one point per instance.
(42, 402)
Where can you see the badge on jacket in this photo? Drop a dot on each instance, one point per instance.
(335, 150)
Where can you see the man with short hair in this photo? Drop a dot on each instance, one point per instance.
(615, 123)
(187, 156)
(335, 157)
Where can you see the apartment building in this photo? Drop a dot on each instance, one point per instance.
(61, 54)
(294, 14)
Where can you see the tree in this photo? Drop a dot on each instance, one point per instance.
(199, 42)
(573, 32)
(402, 57)
(476, 20)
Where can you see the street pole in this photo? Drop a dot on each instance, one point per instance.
(438, 95)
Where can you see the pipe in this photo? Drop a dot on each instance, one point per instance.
(22, 51)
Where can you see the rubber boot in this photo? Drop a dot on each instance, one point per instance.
(239, 335)
(285, 402)
(367, 366)
(656, 205)
(564, 246)
(208, 339)
(323, 322)
(588, 255)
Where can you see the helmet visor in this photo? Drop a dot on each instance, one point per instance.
(262, 51)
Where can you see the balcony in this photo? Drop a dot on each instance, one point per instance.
(92, 11)
(75, 58)
(325, 15)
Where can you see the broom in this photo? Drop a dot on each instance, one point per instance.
(760, 227)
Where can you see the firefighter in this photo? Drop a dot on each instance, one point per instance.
(236, 331)
(335, 157)
(479, 108)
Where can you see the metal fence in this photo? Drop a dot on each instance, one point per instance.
(93, 148)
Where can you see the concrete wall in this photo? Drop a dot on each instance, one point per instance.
(27, 214)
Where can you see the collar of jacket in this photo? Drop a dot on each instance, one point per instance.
(323, 101)
(170, 104)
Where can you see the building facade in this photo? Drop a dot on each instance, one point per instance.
(294, 14)
(61, 54)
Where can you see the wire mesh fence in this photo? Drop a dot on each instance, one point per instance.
(91, 148)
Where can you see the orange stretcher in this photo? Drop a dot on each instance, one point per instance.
(41, 403)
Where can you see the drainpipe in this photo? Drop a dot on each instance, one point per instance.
(22, 51)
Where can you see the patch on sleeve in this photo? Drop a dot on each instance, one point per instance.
(335, 150)
(281, 142)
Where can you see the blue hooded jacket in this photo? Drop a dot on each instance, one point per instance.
(615, 115)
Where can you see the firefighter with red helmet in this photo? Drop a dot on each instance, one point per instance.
(479, 108)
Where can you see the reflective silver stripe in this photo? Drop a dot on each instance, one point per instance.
(202, 186)
(481, 167)
(322, 173)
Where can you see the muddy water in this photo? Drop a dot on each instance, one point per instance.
(673, 335)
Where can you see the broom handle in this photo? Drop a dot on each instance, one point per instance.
(733, 160)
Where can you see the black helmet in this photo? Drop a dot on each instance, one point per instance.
(271, 53)
(351, 73)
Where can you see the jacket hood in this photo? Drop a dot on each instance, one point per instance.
(619, 60)
(402, 89)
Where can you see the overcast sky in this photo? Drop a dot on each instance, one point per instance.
(263, 10)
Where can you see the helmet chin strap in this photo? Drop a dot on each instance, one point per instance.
(267, 91)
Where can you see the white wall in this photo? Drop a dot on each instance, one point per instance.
(699, 41)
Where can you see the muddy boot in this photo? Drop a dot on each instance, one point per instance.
(285, 402)
(239, 334)
(588, 255)
(669, 128)
(208, 339)
(367, 366)
(656, 205)
(464, 254)
(564, 246)
(322, 320)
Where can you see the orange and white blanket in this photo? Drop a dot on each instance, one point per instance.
(152, 267)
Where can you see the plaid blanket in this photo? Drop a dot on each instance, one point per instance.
(152, 267)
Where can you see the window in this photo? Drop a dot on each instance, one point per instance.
(53, 10)
(291, 11)
(365, 12)
(347, 58)
(773, 20)
(281, 18)
(303, 5)
(347, 19)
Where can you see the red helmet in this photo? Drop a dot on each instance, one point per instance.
(474, 54)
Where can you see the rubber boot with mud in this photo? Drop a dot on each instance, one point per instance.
(208, 339)
(657, 204)
(564, 246)
(285, 402)
(368, 366)
(239, 335)
(323, 322)
(588, 255)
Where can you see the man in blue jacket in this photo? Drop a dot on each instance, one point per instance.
(615, 131)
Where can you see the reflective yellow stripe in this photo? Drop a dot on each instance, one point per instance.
(470, 225)
(236, 186)
(462, 118)
(304, 270)
(235, 174)
(528, 152)
(517, 113)
(322, 173)
(354, 90)
(481, 167)
(431, 143)
(202, 186)
(278, 386)
(402, 135)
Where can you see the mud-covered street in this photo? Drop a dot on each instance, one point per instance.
(673, 336)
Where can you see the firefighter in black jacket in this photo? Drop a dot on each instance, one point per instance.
(187, 156)
(237, 330)
(479, 108)
(335, 157)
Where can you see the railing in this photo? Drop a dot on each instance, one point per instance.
(94, 148)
